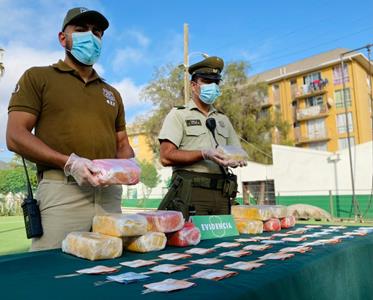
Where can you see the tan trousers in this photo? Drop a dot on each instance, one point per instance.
(67, 207)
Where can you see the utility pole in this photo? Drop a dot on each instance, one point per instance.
(186, 64)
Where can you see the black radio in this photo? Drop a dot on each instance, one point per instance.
(31, 211)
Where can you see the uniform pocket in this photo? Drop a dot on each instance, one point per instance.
(222, 131)
(195, 130)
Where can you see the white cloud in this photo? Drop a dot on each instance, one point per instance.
(126, 56)
(141, 38)
(129, 91)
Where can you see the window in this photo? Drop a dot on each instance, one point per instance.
(311, 77)
(321, 146)
(337, 74)
(339, 101)
(341, 123)
(263, 113)
(343, 143)
(314, 101)
(131, 192)
(316, 128)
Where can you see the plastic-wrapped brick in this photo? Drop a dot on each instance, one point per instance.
(288, 222)
(120, 225)
(164, 220)
(189, 235)
(151, 241)
(92, 245)
(249, 226)
(252, 212)
(118, 171)
(272, 225)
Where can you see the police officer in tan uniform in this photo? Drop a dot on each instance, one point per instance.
(77, 117)
(201, 183)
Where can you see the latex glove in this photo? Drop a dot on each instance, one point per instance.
(215, 156)
(82, 169)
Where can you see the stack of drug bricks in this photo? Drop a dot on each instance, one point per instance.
(254, 219)
(140, 232)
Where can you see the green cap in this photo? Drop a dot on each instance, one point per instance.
(81, 13)
(209, 68)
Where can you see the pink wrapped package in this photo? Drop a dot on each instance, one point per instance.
(118, 171)
(272, 225)
(164, 220)
(288, 222)
(189, 235)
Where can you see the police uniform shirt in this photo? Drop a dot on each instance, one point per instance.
(73, 116)
(186, 128)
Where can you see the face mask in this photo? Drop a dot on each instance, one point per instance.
(209, 93)
(86, 47)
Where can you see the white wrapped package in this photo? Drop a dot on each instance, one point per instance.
(118, 171)
(234, 153)
(279, 211)
(164, 220)
(92, 245)
(151, 241)
(249, 226)
(120, 225)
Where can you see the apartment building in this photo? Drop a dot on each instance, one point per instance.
(309, 95)
(138, 140)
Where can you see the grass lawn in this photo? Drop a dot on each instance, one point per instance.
(13, 235)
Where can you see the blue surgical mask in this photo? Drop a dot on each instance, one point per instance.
(209, 93)
(86, 47)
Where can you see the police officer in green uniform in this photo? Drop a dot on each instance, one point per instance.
(77, 117)
(201, 182)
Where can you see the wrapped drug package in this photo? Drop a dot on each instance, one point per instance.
(151, 241)
(164, 220)
(252, 212)
(231, 152)
(249, 226)
(279, 211)
(118, 171)
(120, 225)
(272, 225)
(288, 222)
(189, 235)
(92, 245)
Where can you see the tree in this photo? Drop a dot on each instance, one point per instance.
(241, 101)
(2, 69)
(149, 178)
(14, 179)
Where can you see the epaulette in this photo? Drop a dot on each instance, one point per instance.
(220, 112)
(180, 107)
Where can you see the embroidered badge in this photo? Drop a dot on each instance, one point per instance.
(221, 123)
(193, 122)
(109, 97)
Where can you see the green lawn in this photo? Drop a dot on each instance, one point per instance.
(13, 236)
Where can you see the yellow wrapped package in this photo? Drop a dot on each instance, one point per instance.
(120, 225)
(151, 241)
(253, 212)
(92, 245)
(249, 226)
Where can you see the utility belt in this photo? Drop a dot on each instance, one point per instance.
(54, 174)
(179, 195)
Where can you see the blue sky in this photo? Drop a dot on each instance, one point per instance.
(144, 35)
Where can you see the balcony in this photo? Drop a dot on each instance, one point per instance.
(315, 88)
(315, 136)
(312, 112)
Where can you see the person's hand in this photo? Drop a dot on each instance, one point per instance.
(215, 156)
(82, 169)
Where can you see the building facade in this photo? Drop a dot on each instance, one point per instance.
(138, 140)
(309, 96)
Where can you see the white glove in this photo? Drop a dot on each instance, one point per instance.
(82, 169)
(215, 156)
